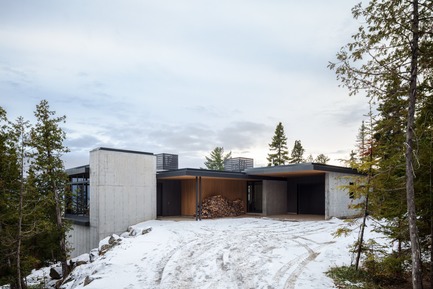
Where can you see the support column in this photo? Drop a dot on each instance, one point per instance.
(196, 198)
(200, 198)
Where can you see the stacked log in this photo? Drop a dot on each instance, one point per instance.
(218, 206)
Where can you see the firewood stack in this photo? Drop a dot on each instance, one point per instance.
(218, 206)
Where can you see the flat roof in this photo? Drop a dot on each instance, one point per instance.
(299, 170)
(189, 173)
(270, 173)
(121, 151)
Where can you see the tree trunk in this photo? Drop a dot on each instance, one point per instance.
(361, 238)
(410, 191)
(20, 221)
(62, 241)
(20, 281)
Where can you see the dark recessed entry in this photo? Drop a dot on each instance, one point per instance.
(254, 197)
(311, 199)
(168, 198)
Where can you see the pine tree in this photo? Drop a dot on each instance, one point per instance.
(48, 176)
(279, 154)
(216, 159)
(390, 52)
(297, 155)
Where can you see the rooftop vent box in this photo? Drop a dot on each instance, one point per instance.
(238, 164)
(166, 162)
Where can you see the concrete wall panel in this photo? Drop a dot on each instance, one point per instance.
(274, 197)
(337, 197)
(79, 239)
(122, 191)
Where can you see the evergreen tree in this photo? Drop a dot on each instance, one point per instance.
(216, 159)
(18, 210)
(279, 154)
(309, 159)
(390, 57)
(297, 155)
(322, 159)
(9, 186)
(47, 175)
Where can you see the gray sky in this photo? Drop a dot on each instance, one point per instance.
(182, 76)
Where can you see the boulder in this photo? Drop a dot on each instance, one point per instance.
(93, 255)
(87, 281)
(56, 273)
(108, 243)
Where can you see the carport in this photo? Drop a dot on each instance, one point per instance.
(309, 188)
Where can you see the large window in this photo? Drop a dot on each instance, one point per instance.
(79, 198)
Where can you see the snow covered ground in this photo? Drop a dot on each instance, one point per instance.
(221, 253)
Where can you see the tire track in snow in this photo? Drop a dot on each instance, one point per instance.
(239, 258)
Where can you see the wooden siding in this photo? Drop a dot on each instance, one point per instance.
(230, 189)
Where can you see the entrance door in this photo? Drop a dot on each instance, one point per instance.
(254, 197)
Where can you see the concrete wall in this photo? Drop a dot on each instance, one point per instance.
(79, 239)
(337, 197)
(122, 191)
(274, 197)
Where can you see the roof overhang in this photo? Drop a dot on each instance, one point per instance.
(185, 174)
(298, 170)
(78, 170)
(263, 173)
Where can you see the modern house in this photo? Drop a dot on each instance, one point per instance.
(120, 188)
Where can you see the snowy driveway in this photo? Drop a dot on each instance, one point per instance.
(223, 253)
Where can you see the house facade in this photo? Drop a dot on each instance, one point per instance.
(120, 188)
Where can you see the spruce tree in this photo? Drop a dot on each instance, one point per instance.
(47, 175)
(9, 187)
(297, 155)
(18, 210)
(279, 154)
(216, 159)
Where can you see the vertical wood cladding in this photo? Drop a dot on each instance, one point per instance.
(229, 189)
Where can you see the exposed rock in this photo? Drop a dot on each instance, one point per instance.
(108, 243)
(87, 281)
(56, 273)
(138, 231)
(80, 262)
(147, 230)
(58, 284)
(93, 255)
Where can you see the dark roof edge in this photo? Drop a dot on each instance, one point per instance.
(292, 168)
(211, 173)
(335, 169)
(121, 151)
(78, 170)
(200, 173)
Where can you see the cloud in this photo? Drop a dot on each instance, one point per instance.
(180, 77)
